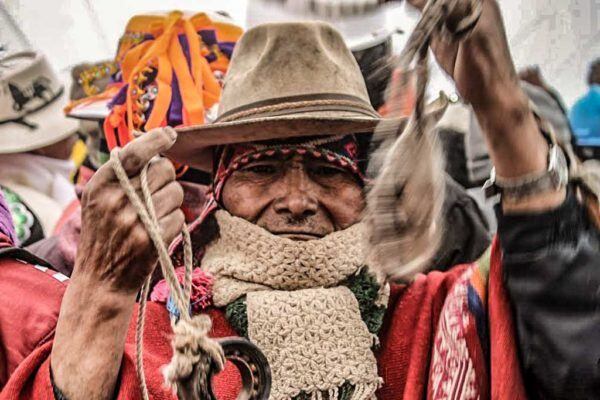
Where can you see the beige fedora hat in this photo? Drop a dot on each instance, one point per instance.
(285, 80)
(31, 101)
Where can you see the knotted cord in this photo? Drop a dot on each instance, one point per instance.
(404, 204)
(190, 343)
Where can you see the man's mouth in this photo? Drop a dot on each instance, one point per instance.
(298, 235)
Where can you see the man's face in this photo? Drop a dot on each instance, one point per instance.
(299, 197)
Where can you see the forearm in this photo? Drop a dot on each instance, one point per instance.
(89, 341)
(517, 146)
(511, 131)
(486, 76)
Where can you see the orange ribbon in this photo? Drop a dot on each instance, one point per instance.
(198, 86)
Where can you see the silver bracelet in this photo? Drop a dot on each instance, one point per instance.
(554, 178)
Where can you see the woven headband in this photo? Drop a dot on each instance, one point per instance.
(341, 151)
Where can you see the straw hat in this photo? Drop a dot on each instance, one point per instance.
(31, 101)
(285, 80)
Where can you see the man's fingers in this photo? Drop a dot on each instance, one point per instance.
(160, 173)
(104, 174)
(171, 225)
(167, 199)
(139, 152)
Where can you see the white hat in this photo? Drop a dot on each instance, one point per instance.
(32, 98)
(362, 23)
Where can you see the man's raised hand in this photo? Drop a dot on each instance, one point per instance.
(483, 71)
(115, 249)
(479, 63)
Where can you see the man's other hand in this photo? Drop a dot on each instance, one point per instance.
(480, 63)
(114, 257)
(115, 249)
(483, 71)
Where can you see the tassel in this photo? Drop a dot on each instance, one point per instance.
(333, 394)
(404, 203)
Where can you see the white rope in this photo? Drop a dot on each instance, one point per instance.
(190, 334)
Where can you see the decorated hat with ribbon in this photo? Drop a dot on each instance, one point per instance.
(167, 71)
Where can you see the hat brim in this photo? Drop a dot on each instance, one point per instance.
(95, 110)
(194, 143)
(51, 127)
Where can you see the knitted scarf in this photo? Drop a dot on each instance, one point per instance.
(313, 307)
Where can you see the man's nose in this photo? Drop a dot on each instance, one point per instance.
(297, 197)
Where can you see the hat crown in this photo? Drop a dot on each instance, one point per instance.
(27, 83)
(31, 100)
(285, 80)
(291, 60)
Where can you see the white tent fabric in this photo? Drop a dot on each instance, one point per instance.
(561, 36)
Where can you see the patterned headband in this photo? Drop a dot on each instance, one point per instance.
(341, 151)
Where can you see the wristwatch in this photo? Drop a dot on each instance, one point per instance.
(555, 177)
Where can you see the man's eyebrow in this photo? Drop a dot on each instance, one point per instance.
(324, 162)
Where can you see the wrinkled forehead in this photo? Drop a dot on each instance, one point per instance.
(342, 151)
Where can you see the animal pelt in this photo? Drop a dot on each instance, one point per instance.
(404, 202)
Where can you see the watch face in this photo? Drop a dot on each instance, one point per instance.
(562, 168)
(555, 177)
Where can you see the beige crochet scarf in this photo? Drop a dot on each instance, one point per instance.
(299, 314)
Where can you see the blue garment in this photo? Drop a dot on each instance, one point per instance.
(585, 118)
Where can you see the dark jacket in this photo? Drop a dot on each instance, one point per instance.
(552, 271)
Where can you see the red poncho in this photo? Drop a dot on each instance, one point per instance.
(446, 336)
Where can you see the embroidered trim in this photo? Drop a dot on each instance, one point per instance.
(23, 219)
(452, 370)
(277, 150)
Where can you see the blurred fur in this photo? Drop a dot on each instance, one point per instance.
(404, 204)
(405, 199)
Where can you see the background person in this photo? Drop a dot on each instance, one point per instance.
(36, 141)
(94, 87)
(585, 116)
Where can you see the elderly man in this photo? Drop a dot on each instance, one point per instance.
(282, 242)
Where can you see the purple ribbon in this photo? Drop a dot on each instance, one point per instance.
(6, 224)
